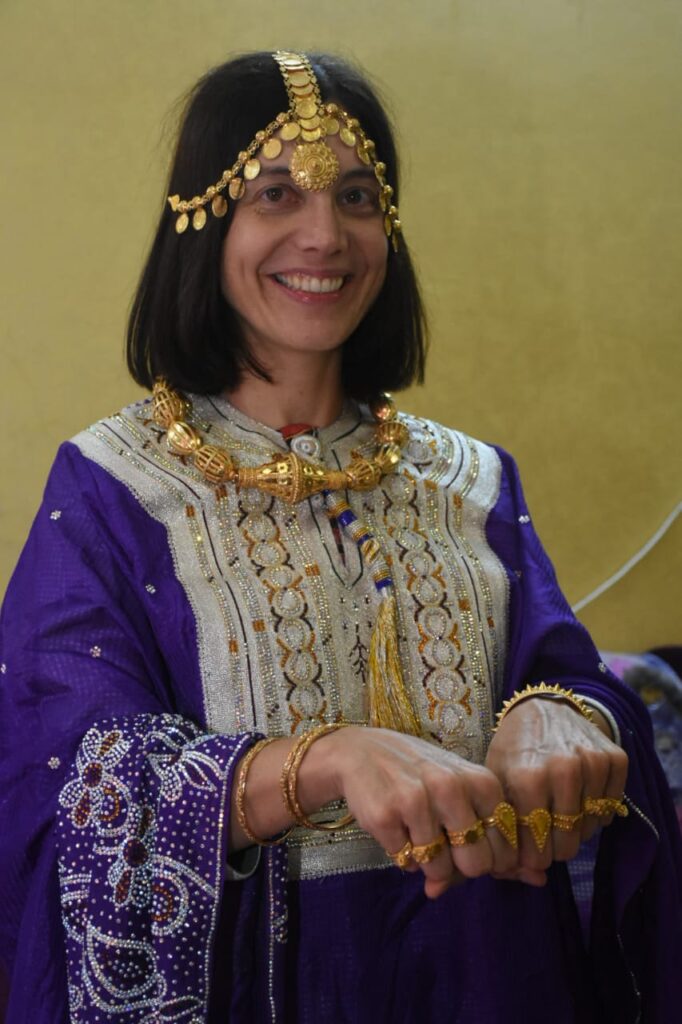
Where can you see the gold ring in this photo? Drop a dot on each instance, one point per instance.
(539, 821)
(503, 819)
(466, 836)
(425, 853)
(566, 822)
(402, 858)
(604, 806)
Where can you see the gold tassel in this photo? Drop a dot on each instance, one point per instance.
(389, 702)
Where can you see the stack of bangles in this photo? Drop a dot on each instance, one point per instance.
(289, 783)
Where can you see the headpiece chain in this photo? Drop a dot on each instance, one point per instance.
(313, 165)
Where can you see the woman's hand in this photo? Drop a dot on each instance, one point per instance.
(401, 788)
(547, 755)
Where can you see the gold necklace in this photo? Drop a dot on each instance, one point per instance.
(286, 475)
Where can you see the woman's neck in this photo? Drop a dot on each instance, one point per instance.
(299, 394)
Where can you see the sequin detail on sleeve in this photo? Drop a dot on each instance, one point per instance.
(141, 854)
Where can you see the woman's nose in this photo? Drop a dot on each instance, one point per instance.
(321, 225)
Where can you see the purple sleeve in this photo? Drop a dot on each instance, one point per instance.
(96, 725)
(637, 917)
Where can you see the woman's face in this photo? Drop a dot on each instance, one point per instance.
(301, 268)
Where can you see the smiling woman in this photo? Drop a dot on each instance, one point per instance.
(297, 724)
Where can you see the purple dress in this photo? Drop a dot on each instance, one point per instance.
(115, 787)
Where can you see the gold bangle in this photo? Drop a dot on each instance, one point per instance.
(544, 690)
(289, 780)
(241, 795)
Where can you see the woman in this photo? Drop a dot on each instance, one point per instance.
(267, 552)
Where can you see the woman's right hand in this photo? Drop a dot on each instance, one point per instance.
(402, 788)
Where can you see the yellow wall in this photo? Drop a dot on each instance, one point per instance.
(542, 148)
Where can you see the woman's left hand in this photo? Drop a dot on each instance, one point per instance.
(547, 755)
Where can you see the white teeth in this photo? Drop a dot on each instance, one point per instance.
(299, 283)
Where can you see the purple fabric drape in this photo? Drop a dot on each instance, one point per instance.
(110, 778)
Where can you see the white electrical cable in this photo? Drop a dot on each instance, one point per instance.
(631, 562)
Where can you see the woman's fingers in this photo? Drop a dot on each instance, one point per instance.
(550, 761)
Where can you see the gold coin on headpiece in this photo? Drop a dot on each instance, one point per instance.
(388, 224)
(251, 169)
(363, 154)
(303, 90)
(291, 62)
(236, 188)
(311, 136)
(310, 122)
(331, 125)
(199, 219)
(219, 206)
(306, 108)
(299, 78)
(347, 137)
(289, 131)
(181, 223)
(173, 202)
(271, 149)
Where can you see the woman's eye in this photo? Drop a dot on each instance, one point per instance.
(274, 194)
(360, 197)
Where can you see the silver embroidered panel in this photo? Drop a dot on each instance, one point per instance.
(284, 622)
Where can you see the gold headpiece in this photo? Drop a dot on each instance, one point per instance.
(313, 165)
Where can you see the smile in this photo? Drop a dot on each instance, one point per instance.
(307, 283)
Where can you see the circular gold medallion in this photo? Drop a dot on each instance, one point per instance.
(271, 149)
(331, 125)
(199, 219)
(181, 223)
(219, 206)
(347, 137)
(289, 131)
(314, 166)
(236, 188)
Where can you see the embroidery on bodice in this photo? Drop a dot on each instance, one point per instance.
(283, 621)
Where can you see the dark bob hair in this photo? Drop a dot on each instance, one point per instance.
(180, 324)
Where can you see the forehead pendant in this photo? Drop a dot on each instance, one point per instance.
(313, 166)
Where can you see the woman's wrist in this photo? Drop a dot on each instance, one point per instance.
(262, 800)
